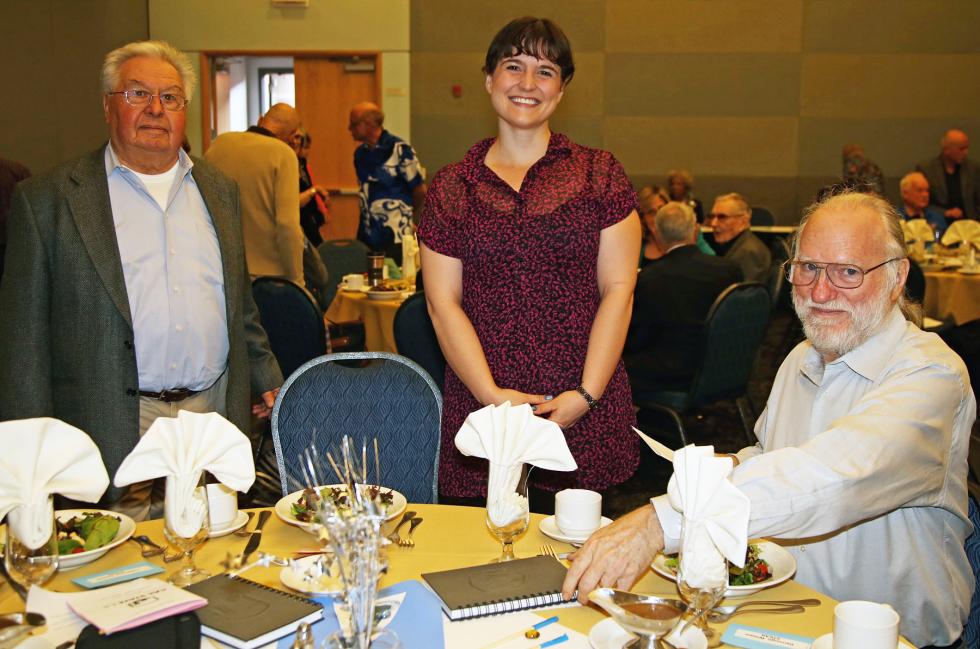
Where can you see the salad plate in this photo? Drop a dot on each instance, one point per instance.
(782, 564)
(126, 528)
(287, 513)
(384, 295)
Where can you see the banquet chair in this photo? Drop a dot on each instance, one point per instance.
(291, 319)
(341, 257)
(390, 398)
(730, 339)
(416, 339)
(762, 216)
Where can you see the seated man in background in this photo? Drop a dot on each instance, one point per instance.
(673, 295)
(860, 469)
(915, 202)
(730, 218)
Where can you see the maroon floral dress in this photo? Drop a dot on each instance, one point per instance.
(529, 288)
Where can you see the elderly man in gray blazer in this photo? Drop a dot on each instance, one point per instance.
(730, 219)
(126, 295)
(954, 179)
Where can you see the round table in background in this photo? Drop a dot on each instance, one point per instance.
(378, 317)
(952, 295)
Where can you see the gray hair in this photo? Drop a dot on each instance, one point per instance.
(739, 200)
(675, 223)
(151, 49)
(854, 201)
(906, 180)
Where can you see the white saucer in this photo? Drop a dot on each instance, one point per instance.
(826, 641)
(968, 271)
(549, 527)
(609, 635)
(240, 520)
(326, 585)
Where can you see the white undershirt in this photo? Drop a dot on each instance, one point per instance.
(158, 185)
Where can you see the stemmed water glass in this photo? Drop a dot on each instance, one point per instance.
(508, 513)
(24, 564)
(186, 523)
(702, 575)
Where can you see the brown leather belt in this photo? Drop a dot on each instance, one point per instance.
(169, 396)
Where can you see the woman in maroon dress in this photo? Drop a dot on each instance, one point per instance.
(529, 249)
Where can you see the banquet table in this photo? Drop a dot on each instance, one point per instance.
(450, 537)
(378, 317)
(952, 295)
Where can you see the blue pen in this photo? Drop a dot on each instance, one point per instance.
(537, 627)
(550, 643)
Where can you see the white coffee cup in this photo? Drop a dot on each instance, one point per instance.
(578, 512)
(865, 625)
(222, 505)
(354, 280)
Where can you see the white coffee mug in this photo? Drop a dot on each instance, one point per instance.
(222, 505)
(354, 280)
(578, 512)
(865, 625)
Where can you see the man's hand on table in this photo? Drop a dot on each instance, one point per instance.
(616, 555)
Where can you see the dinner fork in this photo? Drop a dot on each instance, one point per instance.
(394, 537)
(408, 542)
(723, 613)
(548, 551)
(243, 530)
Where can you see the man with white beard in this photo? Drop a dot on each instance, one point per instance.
(860, 470)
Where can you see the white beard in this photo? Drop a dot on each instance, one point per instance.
(838, 339)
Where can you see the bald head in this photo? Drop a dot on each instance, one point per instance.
(956, 146)
(366, 120)
(282, 120)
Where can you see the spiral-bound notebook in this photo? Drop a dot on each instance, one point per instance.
(245, 614)
(498, 587)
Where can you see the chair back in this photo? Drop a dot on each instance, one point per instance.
(416, 339)
(389, 398)
(762, 216)
(777, 281)
(292, 320)
(731, 335)
(341, 257)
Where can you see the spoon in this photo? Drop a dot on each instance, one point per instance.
(16, 625)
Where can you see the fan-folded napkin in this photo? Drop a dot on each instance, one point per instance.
(509, 437)
(41, 457)
(961, 231)
(180, 448)
(716, 513)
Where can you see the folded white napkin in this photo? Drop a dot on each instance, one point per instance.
(962, 230)
(509, 437)
(180, 448)
(919, 229)
(716, 514)
(41, 457)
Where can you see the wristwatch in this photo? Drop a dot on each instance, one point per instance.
(589, 399)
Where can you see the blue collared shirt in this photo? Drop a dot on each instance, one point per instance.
(174, 279)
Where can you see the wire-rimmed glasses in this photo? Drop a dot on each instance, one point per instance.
(804, 273)
(139, 97)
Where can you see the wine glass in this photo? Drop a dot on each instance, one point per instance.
(508, 513)
(702, 575)
(25, 564)
(186, 523)
(647, 616)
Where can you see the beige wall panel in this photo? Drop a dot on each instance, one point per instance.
(447, 139)
(702, 84)
(57, 47)
(891, 26)
(703, 25)
(454, 26)
(255, 25)
(763, 146)
(881, 86)
(896, 145)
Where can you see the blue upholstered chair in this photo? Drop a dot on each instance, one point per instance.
(730, 339)
(292, 319)
(416, 339)
(388, 397)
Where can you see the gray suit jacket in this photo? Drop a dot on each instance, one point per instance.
(66, 335)
(752, 256)
(935, 173)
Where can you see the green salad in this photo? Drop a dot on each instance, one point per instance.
(89, 531)
(756, 569)
(305, 507)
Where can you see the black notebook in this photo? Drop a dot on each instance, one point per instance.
(498, 587)
(245, 614)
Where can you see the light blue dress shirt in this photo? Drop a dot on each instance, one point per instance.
(174, 279)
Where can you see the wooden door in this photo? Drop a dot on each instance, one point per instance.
(326, 89)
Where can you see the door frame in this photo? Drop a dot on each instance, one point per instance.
(207, 81)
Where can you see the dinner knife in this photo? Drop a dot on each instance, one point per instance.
(256, 537)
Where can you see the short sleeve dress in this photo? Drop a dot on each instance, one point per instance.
(529, 288)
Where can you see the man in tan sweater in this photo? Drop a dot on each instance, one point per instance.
(265, 168)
